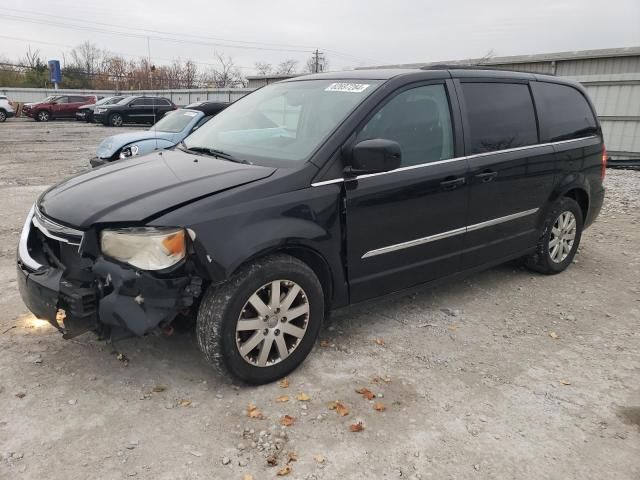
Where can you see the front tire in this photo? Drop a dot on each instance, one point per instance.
(3, 116)
(560, 238)
(115, 120)
(43, 116)
(263, 322)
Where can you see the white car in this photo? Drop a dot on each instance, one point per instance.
(6, 109)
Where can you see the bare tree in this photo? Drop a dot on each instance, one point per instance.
(32, 58)
(226, 74)
(287, 67)
(189, 74)
(117, 69)
(87, 57)
(263, 68)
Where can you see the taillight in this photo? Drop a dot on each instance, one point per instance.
(603, 171)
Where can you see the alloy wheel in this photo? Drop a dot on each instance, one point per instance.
(116, 120)
(3, 116)
(43, 116)
(563, 235)
(272, 323)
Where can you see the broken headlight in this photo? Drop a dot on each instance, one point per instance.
(146, 248)
(130, 151)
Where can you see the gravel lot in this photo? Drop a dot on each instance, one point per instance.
(504, 375)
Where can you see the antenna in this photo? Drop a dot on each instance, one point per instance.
(152, 100)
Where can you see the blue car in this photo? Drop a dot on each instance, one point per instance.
(174, 127)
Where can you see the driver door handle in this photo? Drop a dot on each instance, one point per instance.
(452, 183)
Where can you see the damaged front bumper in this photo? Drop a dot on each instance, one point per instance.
(76, 293)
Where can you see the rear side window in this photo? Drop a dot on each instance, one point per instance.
(500, 116)
(564, 112)
(419, 120)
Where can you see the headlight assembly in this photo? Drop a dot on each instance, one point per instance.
(145, 248)
(100, 110)
(130, 151)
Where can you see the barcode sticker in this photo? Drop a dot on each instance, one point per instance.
(347, 87)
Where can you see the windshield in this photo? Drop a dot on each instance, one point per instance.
(283, 122)
(176, 121)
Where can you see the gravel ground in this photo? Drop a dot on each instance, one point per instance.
(504, 375)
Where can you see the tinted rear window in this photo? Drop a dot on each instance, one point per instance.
(564, 112)
(500, 116)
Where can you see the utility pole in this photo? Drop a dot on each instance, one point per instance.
(317, 59)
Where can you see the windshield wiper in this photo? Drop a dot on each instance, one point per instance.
(214, 153)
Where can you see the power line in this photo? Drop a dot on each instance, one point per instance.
(260, 46)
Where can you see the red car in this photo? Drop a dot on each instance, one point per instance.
(57, 106)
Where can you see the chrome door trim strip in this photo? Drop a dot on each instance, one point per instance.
(449, 233)
(496, 221)
(414, 243)
(454, 159)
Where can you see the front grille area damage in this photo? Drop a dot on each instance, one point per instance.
(77, 292)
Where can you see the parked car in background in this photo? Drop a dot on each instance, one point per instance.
(312, 194)
(85, 112)
(168, 132)
(6, 109)
(57, 106)
(136, 109)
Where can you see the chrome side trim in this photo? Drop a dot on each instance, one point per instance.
(327, 182)
(496, 221)
(414, 243)
(449, 233)
(455, 159)
(23, 250)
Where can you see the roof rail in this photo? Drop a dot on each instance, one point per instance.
(444, 66)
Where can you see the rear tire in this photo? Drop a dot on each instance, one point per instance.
(560, 238)
(43, 116)
(228, 322)
(115, 120)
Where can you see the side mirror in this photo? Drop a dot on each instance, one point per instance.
(374, 156)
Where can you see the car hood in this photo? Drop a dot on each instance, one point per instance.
(110, 145)
(135, 189)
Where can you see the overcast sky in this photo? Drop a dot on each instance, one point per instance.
(351, 33)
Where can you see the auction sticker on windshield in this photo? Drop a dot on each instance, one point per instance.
(347, 87)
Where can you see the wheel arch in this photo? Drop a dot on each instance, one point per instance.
(309, 256)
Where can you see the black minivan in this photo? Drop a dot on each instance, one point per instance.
(312, 194)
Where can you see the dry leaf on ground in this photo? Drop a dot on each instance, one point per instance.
(356, 427)
(379, 341)
(339, 407)
(272, 460)
(366, 393)
(184, 402)
(324, 343)
(247, 476)
(303, 397)
(253, 411)
(292, 457)
(554, 335)
(286, 470)
(379, 407)
(319, 458)
(284, 383)
(282, 399)
(565, 382)
(378, 380)
(287, 420)
(159, 388)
